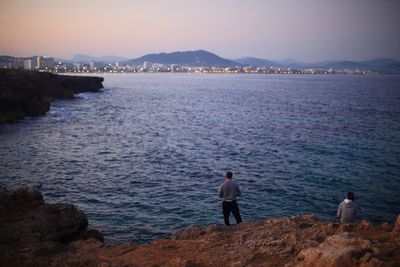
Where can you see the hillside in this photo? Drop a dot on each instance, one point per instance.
(257, 62)
(383, 65)
(87, 58)
(199, 58)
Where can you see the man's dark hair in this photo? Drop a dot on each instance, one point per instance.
(350, 195)
(229, 175)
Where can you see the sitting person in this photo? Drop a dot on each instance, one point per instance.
(348, 210)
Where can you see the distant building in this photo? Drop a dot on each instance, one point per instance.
(158, 67)
(174, 68)
(91, 66)
(17, 63)
(146, 66)
(4, 65)
(37, 63)
(249, 69)
(77, 66)
(28, 64)
(44, 62)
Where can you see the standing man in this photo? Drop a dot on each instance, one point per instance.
(348, 210)
(229, 191)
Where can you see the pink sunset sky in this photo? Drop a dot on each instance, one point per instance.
(308, 30)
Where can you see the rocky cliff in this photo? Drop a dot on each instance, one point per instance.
(28, 93)
(33, 233)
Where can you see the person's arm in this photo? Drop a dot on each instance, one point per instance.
(221, 191)
(238, 192)
(339, 211)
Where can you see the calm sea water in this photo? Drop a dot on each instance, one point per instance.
(145, 157)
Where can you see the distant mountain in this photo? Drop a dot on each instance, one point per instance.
(378, 64)
(187, 58)
(6, 59)
(386, 64)
(257, 62)
(292, 63)
(207, 59)
(107, 59)
(62, 60)
(345, 64)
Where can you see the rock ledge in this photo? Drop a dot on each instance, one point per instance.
(33, 233)
(28, 93)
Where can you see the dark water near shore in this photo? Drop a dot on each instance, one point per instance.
(145, 157)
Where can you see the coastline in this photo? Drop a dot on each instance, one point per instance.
(29, 93)
(34, 233)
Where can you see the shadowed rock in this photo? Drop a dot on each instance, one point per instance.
(29, 227)
(37, 234)
(28, 93)
(397, 226)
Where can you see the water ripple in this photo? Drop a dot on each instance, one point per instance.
(145, 158)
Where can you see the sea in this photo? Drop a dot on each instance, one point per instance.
(144, 158)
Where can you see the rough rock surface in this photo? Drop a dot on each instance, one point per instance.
(337, 250)
(28, 93)
(30, 228)
(293, 241)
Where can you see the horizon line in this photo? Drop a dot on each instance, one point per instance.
(228, 58)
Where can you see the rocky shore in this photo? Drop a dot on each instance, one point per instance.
(29, 93)
(33, 233)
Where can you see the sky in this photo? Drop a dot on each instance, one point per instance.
(306, 30)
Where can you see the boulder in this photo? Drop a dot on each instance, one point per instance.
(191, 232)
(366, 226)
(25, 198)
(29, 227)
(340, 250)
(63, 222)
(397, 225)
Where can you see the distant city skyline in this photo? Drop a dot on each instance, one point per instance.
(308, 31)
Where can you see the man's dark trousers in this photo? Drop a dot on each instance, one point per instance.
(227, 208)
